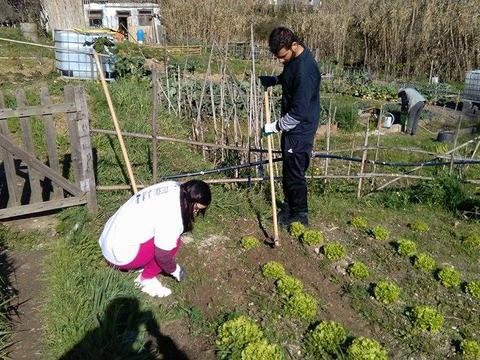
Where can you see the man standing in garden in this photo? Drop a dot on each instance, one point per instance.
(299, 119)
(414, 102)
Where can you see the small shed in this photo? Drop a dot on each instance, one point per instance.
(126, 17)
(119, 15)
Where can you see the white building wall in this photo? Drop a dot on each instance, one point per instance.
(110, 18)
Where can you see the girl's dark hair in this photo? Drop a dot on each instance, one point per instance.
(281, 37)
(191, 192)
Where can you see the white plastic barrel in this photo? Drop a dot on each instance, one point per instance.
(75, 62)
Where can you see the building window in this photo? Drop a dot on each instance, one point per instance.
(95, 18)
(145, 17)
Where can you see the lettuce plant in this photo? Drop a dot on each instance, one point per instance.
(380, 233)
(470, 349)
(250, 242)
(473, 288)
(359, 222)
(419, 226)
(273, 270)
(424, 262)
(288, 285)
(326, 338)
(261, 350)
(366, 349)
(406, 247)
(358, 270)
(296, 229)
(334, 251)
(472, 241)
(386, 291)
(301, 305)
(449, 277)
(427, 318)
(234, 335)
(312, 237)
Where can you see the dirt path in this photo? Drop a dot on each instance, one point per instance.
(28, 281)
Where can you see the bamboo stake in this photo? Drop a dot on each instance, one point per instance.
(362, 166)
(276, 240)
(327, 160)
(168, 88)
(378, 143)
(115, 122)
(179, 98)
(154, 124)
(259, 179)
(351, 155)
(455, 144)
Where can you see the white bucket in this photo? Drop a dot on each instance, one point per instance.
(388, 120)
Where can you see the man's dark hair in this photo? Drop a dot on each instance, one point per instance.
(281, 37)
(191, 192)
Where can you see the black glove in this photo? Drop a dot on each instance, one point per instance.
(268, 81)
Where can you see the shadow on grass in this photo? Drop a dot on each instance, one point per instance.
(125, 332)
(8, 295)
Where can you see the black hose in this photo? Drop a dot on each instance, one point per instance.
(324, 156)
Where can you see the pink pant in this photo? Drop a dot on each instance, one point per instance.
(146, 259)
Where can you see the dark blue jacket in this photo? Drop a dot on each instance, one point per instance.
(300, 82)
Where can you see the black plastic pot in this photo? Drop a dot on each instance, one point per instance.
(445, 136)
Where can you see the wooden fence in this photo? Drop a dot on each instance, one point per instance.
(32, 185)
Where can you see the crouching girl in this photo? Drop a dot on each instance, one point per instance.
(145, 232)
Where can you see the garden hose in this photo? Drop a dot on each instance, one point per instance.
(325, 156)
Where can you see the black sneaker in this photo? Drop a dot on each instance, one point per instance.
(283, 215)
(300, 217)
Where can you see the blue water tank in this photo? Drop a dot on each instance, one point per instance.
(140, 36)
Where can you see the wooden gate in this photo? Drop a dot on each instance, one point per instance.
(33, 180)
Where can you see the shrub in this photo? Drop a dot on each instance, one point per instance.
(424, 262)
(427, 318)
(472, 241)
(312, 237)
(334, 251)
(473, 288)
(250, 242)
(386, 291)
(358, 270)
(273, 270)
(406, 247)
(380, 233)
(301, 305)
(419, 226)
(297, 229)
(359, 222)
(327, 337)
(288, 285)
(449, 277)
(470, 349)
(234, 335)
(261, 350)
(366, 349)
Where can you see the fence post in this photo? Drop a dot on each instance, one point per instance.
(87, 175)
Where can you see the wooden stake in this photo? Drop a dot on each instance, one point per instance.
(115, 122)
(459, 122)
(327, 135)
(362, 166)
(270, 170)
(154, 124)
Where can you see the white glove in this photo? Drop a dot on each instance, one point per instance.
(269, 129)
(179, 273)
